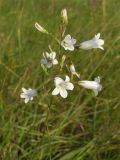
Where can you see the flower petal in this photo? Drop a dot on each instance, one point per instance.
(47, 54)
(101, 41)
(72, 68)
(97, 36)
(63, 92)
(55, 61)
(97, 79)
(67, 79)
(24, 90)
(22, 95)
(58, 80)
(43, 61)
(101, 47)
(49, 65)
(55, 91)
(52, 55)
(26, 100)
(95, 92)
(69, 86)
(86, 44)
(68, 37)
(31, 98)
(70, 47)
(73, 40)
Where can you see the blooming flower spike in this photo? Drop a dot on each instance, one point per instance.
(62, 86)
(93, 85)
(28, 94)
(73, 71)
(95, 42)
(49, 59)
(68, 43)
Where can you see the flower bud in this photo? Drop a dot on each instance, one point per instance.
(73, 71)
(62, 61)
(40, 28)
(64, 16)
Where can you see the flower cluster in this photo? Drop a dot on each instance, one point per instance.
(52, 58)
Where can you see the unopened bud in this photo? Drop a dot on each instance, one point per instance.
(64, 16)
(40, 28)
(73, 71)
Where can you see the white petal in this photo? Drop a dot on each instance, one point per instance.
(97, 79)
(49, 65)
(58, 80)
(101, 47)
(63, 92)
(66, 48)
(31, 90)
(95, 92)
(86, 45)
(52, 55)
(31, 98)
(97, 36)
(43, 61)
(88, 84)
(71, 48)
(22, 95)
(55, 61)
(100, 87)
(55, 91)
(67, 79)
(72, 68)
(69, 86)
(26, 100)
(73, 40)
(101, 41)
(47, 55)
(68, 37)
(24, 90)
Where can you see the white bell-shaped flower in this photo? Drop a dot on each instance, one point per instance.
(62, 86)
(95, 42)
(28, 94)
(93, 85)
(68, 43)
(49, 59)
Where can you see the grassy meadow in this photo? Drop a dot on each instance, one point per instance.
(80, 127)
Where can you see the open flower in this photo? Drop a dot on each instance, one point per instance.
(95, 42)
(68, 43)
(62, 86)
(73, 71)
(93, 85)
(49, 59)
(28, 94)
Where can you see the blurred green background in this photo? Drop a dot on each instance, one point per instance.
(81, 127)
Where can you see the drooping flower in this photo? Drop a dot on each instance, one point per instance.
(28, 94)
(95, 42)
(40, 28)
(49, 59)
(62, 86)
(68, 43)
(73, 71)
(93, 85)
(64, 16)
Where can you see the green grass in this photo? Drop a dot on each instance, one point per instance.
(81, 127)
